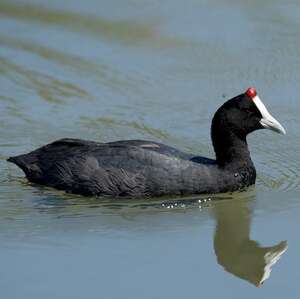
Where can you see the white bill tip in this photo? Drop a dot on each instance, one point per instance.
(268, 121)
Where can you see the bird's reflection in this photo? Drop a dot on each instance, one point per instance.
(234, 249)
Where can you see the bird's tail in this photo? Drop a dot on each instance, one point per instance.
(20, 161)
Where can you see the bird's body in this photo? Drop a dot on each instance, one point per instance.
(128, 168)
(139, 168)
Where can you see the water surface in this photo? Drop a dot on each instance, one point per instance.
(152, 70)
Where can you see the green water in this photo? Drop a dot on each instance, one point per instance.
(156, 70)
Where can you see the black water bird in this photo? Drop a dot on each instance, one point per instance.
(138, 168)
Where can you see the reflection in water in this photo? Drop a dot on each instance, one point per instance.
(235, 251)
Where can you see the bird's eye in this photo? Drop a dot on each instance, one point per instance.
(248, 111)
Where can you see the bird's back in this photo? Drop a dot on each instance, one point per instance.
(132, 168)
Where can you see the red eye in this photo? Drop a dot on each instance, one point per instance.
(248, 111)
(251, 92)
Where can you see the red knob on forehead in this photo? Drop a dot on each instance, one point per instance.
(251, 92)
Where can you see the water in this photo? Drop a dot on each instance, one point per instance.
(108, 70)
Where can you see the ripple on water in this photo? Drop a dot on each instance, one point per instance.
(279, 166)
(128, 31)
(47, 87)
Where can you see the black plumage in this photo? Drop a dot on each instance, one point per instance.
(146, 168)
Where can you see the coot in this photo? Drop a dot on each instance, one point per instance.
(139, 168)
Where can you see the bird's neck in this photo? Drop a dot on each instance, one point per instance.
(231, 150)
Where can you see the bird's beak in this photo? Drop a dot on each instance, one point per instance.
(272, 124)
(268, 121)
